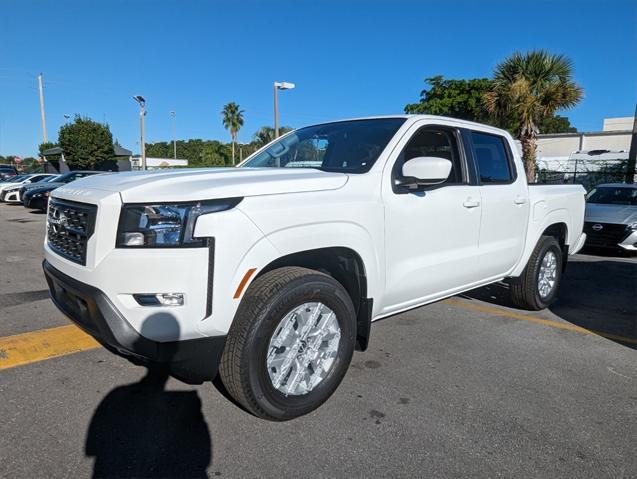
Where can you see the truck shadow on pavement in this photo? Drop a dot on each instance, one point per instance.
(142, 430)
(599, 295)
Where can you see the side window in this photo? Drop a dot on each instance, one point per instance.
(434, 141)
(491, 155)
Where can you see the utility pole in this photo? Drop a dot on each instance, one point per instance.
(173, 115)
(42, 108)
(632, 154)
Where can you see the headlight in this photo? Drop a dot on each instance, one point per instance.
(165, 225)
(633, 226)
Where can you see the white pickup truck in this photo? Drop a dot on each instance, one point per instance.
(272, 273)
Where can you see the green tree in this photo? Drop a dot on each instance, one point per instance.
(232, 121)
(85, 143)
(528, 88)
(214, 153)
(265, 134)
(199, 153)
(465, 99)
(556, 124)
(46, 146)
(462, 99)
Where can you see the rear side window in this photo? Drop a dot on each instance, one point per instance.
(492, 158)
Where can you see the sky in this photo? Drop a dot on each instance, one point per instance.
(348, 58)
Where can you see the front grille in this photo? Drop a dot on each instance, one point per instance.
(69, 227)
(3, 195)
(610, 234)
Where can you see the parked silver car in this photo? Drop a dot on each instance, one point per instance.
(611, 216)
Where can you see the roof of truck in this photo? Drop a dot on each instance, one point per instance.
(416, 117)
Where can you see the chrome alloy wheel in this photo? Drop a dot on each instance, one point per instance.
(547, 274)
(303, 348)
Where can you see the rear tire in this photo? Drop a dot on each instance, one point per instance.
(308, 302)
(537, 287)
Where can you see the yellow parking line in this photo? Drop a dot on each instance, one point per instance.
(50, 343)
(532, 319)
(43, 344)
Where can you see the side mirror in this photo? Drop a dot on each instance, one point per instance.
(425, 171)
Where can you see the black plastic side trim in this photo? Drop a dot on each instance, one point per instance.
(210, 242)
(364, 323)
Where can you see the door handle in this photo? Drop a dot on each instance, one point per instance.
(519, 200)
(470, 203)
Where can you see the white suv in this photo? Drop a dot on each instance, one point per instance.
(272, 272)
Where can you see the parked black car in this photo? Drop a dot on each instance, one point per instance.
(38, 198)
(7, 171)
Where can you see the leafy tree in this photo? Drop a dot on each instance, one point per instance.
(462, 99)
(528, 88)
(213, 153)
(556, 124)
(232, 121)
(46, 146)
(465, 99)
(85, 143)
(265, 134)
(199, 153)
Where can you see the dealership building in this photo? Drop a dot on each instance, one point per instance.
(588, 150)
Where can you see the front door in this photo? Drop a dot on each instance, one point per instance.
(431, 235)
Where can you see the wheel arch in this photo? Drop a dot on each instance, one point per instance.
(553, 224)
(347, 267)
(560, 232)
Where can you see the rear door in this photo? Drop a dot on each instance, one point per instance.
(505, 203)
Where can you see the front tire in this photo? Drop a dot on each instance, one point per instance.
(537, 288)
(290, 344)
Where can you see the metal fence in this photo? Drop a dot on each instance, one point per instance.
(588, 173)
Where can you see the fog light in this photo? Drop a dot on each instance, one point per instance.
(160, 299)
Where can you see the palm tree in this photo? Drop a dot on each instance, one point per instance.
(265, 134)
(527, 88)
(232, 121)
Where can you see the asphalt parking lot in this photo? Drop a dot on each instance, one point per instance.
(468, 387)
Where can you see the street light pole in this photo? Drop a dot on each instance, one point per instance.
(142, 113)
(279, 86)
(173, 115)
(276, 110)
(42, 116)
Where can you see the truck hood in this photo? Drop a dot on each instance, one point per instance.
(200, 184)
(617, 214)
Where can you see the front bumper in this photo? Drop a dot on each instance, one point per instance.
(610, 235)
(630, 242)
(192, 360)
(36, 203)
(11, 196)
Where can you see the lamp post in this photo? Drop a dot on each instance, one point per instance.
(173, 115)
(142, 113)
(279, 86)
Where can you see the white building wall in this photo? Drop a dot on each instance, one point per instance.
(618, 142)
(618, 124)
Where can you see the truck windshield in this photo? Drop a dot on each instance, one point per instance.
(344, 146)
(607, 195)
